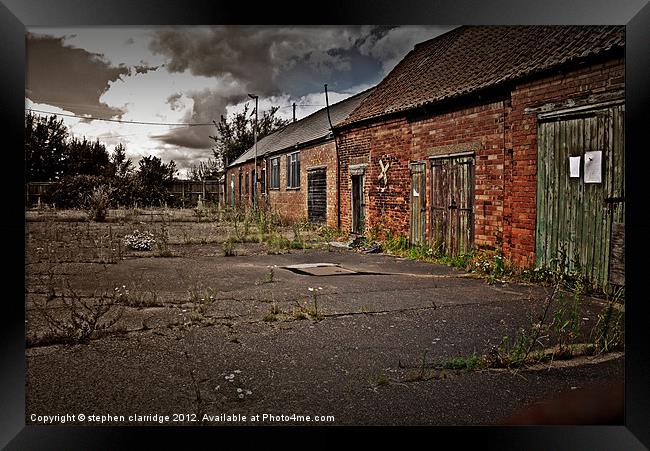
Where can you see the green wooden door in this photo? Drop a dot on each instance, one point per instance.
(576, 215)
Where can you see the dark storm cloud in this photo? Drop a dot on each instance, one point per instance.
(68, 77)
(257, 55)
(208, 106)
(247, 59)
(275, 60)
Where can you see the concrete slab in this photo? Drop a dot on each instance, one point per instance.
(319, 269)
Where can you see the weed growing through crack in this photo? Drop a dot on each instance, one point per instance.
(380, 380)
(229, 248)
(162, 241)
(136, 298)
(270, 274)
(315, 314)
(607, 334)
(83, 317)
(201, 300)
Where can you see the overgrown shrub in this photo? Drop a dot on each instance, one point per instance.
(98, 202)
(71, 191)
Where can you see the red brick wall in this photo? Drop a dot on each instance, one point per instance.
(291, 203)
(503, 136)
(402, 141)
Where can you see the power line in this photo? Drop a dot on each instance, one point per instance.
(196, 124)
(119, 120)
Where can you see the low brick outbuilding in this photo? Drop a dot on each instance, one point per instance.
(496, 137)
(297, 166)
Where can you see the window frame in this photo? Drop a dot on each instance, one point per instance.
(272, 185)
(293, 170)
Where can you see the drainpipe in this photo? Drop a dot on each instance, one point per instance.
(338, 165)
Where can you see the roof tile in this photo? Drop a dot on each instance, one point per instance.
(470, 58)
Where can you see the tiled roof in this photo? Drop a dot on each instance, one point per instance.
(315, 126)
(470, 58)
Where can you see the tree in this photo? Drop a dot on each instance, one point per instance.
(154, 177)
(84, 157)
(121, 165)
(45, 148)
(236, 135)
(205, 170)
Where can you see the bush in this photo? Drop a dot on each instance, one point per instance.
(98, 202)
(72, 191)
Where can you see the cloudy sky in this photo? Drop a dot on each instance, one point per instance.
(193, 75)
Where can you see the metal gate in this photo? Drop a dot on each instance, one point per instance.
(317, 195)
(418, 203)
(452, 204)
(581, 214)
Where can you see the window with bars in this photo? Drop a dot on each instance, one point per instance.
(274, 182)
(263, 180)
(293, 170)
(246, 184)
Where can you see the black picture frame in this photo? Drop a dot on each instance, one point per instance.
(17, 15)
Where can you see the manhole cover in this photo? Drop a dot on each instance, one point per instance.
(319, 269)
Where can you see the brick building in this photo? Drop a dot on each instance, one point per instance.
(505, 137)
(297, 166)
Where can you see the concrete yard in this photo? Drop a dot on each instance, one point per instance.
(364, 358)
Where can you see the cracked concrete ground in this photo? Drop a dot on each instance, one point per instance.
(356, 364)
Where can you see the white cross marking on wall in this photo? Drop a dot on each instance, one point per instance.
(383, 176)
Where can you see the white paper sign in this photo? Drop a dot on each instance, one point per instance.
(593, 166)
(574, 166)
(415, 193)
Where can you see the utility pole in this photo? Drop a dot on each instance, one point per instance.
(255, 140)
(294, 111)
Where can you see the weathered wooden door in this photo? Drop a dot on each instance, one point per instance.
(577, 216)
(418, 203)
(452, 204)
(317, 195)
(358, 213)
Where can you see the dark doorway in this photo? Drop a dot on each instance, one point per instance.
(317, 195)
(358, 206)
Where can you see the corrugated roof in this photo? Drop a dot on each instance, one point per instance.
(470, 58)
(313, 127)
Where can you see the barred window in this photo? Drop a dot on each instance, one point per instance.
(263, 180)
(274, 183)
(293, 170)
(246, 184)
